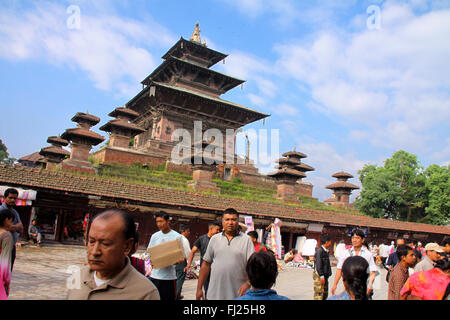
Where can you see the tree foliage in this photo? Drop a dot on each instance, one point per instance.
(4, 155)
(403, 190)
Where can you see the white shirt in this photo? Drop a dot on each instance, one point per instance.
(186, 246)
(340, 248)
(99, 282)
(384, 251)
(366, 254)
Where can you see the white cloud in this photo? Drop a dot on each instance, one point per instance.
(111, 50)
(394, 80)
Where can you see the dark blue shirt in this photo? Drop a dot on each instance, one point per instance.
(392, 260)
(263, 294)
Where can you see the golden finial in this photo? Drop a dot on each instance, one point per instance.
(196, 34)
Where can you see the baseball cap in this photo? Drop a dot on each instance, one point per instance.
(433, 247)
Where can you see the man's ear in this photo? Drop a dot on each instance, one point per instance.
(128, 246)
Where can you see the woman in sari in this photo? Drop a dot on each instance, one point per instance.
(428, 285)
(6, 246)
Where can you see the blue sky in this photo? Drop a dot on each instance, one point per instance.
(341, 91)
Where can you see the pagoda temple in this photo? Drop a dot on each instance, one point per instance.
(341, 190)
(289, 176)
(82, 139)
(184, 89)
(55, 153)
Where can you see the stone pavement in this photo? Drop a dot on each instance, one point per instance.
(41, 273)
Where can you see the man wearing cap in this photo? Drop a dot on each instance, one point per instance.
(433, 254)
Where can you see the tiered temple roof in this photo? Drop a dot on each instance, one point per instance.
(55, 152)
(82, 134)
(290, 168)
(121, 125)
(342, 183)
(184, 86)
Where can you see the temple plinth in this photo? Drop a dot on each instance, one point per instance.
(341, 190)
(55, 153)
(82, 139)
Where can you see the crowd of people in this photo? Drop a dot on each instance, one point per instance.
(233, 264)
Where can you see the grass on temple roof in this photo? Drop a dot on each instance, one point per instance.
(158, 177)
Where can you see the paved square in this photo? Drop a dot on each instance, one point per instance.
(40, 273)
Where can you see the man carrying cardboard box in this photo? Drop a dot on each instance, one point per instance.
(165, 279)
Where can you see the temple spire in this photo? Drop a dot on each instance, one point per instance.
(196, 34)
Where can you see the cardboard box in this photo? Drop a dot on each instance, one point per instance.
(166, 254)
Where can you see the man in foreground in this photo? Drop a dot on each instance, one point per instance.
(226, 259)
(109, 275)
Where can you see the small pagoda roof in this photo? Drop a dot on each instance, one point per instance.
(93, 137)
(126, 112)
(342, 185)
(342, 174)
(52, 150)
(294, 161)
(304, 167)
(294, 154)
(85, 117)
(195, 49)
(287, 172)
(122, 124)
(57, 140)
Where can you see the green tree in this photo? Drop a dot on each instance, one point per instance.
(4, 155)
(396, 190)
(380, 196)
(409, 176)
(438, 189)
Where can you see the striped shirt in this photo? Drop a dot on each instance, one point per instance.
(397, 279)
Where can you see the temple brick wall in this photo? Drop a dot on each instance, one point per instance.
(127, 157)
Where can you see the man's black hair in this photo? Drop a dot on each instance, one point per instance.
(184, 227)
(359, 232)
(262, 270)
(10, 191)
(215, 224)
(5, 214)
(445, 242)
(402, 251)
(230, 211)
(253, 234)
(324, 238)
(162, 214)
